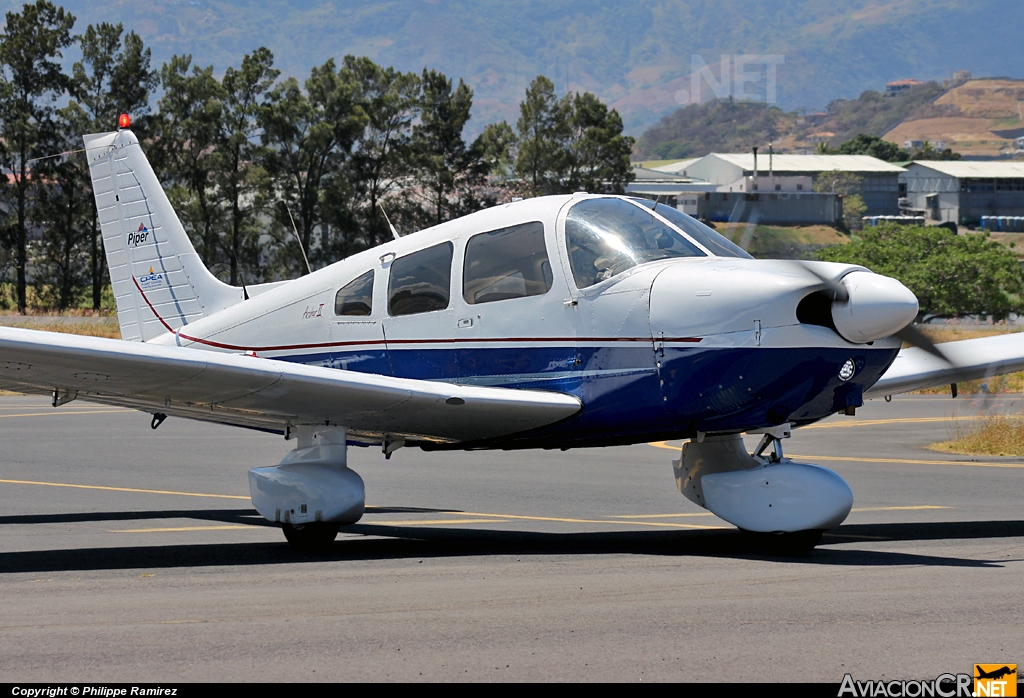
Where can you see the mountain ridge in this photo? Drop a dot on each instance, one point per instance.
(636, 56)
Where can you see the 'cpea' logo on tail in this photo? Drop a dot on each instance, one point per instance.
(151, 280)
(139, 236)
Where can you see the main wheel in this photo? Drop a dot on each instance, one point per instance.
(794, 544)
(311, 537)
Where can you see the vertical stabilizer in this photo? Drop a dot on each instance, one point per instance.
(159, 282)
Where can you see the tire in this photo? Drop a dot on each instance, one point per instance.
(795, 544)
(315, 537)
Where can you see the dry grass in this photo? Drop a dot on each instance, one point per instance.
(991, 435)
(110, 330)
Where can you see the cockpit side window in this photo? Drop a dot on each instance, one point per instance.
(421, 282)
(605, 237)
(507, 263)
(355, 297)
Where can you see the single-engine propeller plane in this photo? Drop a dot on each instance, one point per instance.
(555, 322)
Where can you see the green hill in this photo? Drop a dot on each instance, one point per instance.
(722, 126)
(725, 126)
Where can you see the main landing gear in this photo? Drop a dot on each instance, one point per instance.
(311, 493)
(311, 537)
(793, 544)
(784, 506)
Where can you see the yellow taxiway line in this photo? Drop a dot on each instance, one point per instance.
(975, 464)
(856, 459)
(178, 529)
(557, 519)
(58, 413)
(468, 517)
(435, 522)
(123, 489)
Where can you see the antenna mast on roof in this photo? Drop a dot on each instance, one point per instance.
(394, 232)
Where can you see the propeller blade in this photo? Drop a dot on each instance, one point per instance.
(909, 334)
(914, 337)
(839, 292)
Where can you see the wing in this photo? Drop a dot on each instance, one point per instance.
(264, 393)
(969, 359)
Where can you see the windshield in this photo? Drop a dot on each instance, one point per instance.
(718, 244)
(605, 237)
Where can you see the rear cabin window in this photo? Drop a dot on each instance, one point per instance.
(605, 237)
(507, 263)
(421, 282)
(355, 297)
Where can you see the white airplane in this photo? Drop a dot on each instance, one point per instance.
(555, 322)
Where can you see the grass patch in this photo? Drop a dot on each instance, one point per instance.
(991, 435)
(37, 300)
(782, 242)
(110, 330)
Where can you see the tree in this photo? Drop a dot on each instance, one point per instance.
(63, 212)
(929, 152)
(447, 170)
(380, 161)
(598, 153)
(113, 77)
(951, 275)
(185, 134)
(495, 145)
(310, 134)
(863, 144)
(565, 145)
(31, 81)
(847, 185)
(543, 129)
(237, 174)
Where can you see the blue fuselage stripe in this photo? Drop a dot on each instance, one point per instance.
(627, 390)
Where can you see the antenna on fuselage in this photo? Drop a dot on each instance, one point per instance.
(394, 232)
(297, 238)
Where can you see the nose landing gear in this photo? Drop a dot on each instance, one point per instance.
(785, 506)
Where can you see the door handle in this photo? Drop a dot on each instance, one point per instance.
(465, 322)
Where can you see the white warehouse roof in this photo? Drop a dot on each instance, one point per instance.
(974, 169)
(676, 167)
(808, 163)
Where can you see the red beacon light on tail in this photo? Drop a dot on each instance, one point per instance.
(124, 121)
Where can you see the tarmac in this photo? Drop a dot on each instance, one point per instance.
(135, 555)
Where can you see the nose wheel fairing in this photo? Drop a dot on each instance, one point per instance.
(758, 494)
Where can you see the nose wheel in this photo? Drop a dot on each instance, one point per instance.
(314, 537)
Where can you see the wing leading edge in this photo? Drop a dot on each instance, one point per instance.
(265, 393)
(969, 359)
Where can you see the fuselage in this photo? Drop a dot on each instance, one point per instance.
(659, 338)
